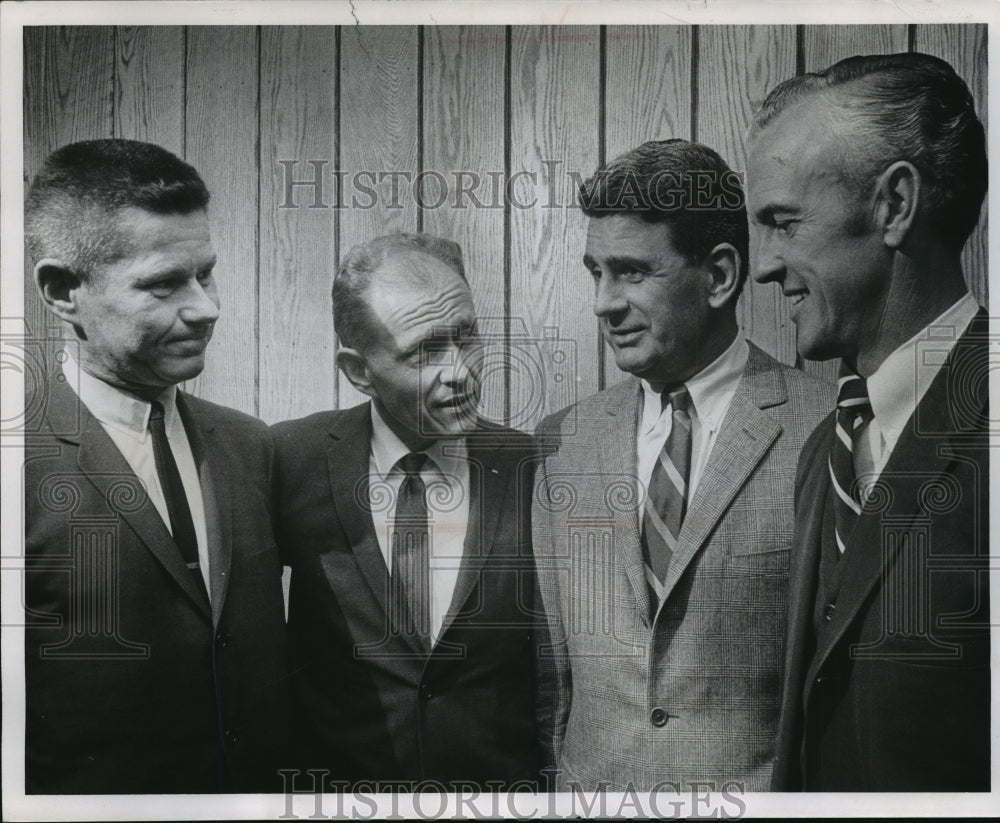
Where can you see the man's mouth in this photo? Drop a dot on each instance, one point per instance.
(795, 297)
(624, 335)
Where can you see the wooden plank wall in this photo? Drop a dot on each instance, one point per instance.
(382, 116)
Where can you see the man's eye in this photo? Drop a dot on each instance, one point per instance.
(633, 276)
(205, 276)
(786, 227)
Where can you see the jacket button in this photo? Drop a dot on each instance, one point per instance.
(828, 612)
(230, 737)
(425, 692)
(658, 717)
(222, 639)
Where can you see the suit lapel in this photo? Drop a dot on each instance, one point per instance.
(904, 474)
(217, 496)
(348, 455)
(618, 450)
(488, 482)
(810, 520)
(745, 435)
(103, 464)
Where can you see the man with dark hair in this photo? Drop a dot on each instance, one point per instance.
(865, 181)
(155, 656)
(406, 523)
(663, 508)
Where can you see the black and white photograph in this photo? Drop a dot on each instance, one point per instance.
(465, 410)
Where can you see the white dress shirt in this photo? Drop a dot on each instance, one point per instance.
(446, 477)
(900, 383)
(126, 420)
(711, 392)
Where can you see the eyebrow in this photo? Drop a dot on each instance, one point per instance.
(627, 262)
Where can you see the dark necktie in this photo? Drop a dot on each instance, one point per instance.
(854, 410)
(181, 524)
(411, 595)
(666, 499)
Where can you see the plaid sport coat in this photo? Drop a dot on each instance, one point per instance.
(660, 696)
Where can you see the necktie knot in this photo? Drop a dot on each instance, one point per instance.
(156, 412)
(678, 398)
(853, 392)
(412, 463)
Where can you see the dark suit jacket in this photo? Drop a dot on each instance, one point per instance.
(892, 691)
(132, 684)
(367, 705)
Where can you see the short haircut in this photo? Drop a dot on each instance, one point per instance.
(683, 184)
(907, 106)
(351, 313)
(71, 205)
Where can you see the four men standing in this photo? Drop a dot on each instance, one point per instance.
(668, 522)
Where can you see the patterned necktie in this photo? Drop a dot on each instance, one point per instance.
(411, 595)
(666, 499)
(181, 523)
(854, 410)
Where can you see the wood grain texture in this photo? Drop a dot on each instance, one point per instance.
(647, 97)
(737, 67)
(463, 126)
(298, 120)
(221, 125)
(554, 101)
(964, 46)
(379, 115)
(68, 83)
(149, 85)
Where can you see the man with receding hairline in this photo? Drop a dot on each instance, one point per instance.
(405, 521)
(155, 657)
(865, 180)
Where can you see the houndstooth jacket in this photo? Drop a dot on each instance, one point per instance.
(634, 695)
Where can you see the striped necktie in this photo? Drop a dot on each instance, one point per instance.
(854, 410)
(666, 498)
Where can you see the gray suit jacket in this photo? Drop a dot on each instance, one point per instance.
(688, 691)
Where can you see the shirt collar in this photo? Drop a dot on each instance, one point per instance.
(707, 388)
(447, 456)
(899, 384)
(114, 407)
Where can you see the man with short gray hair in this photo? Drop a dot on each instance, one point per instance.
(405, 522)
(865, 181)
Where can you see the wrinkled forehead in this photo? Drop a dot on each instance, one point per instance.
(416, 292)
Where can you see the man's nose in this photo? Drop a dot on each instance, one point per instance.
(766, 265)
(202, 305)
(608, 298)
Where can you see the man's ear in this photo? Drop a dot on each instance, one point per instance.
(897, 200)
(352, 364)
(58, 285)
(723, 264)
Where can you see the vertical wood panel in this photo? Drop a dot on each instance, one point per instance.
(554, 100)
(737, 67)
(964, 46)
(378, 134)
(463, 125)
(822, 46)
(67, 97)
(221, 138)
(297, 245)
(149, 85)
(647, 97)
